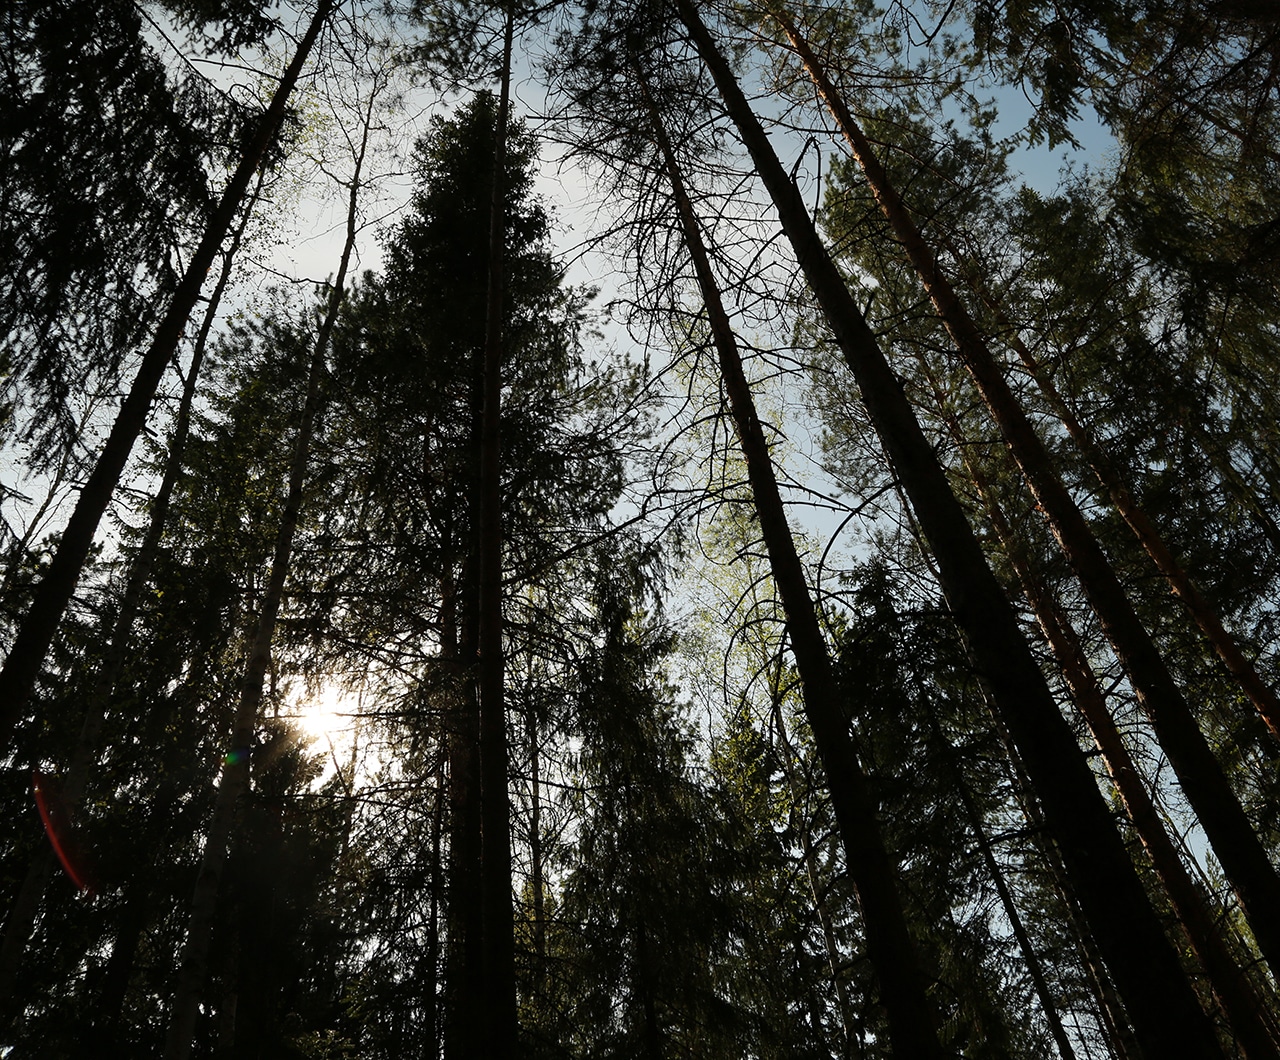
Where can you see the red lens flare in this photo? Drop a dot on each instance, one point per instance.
(57, 826)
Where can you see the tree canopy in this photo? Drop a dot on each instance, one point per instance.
(715, 552)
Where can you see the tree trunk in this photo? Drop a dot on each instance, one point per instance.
(109, 1005)
(1165, 1011)
(1110, 1012)
(17, 928)
(891, 950)
(535, 848)
(431, 988)
(1203, 780)
(27, 654)
(646, 976)
(495, 799)
(234, 783)
(464, 983)
(1239, 1002)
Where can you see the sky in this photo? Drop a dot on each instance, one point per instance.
(300, 238)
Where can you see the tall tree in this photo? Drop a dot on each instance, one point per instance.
(499, 984)
(27, 652)
(22, 914)
(912, 1023)
(411, 372)
(235, 778)
(1113, 897)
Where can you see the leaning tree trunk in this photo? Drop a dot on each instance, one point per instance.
(974, 350)
(1237, 846)
(1165, 1011)
(26, 656)
(17, 928)
(912, 1022)
(108, 1023)
(1108, 1009)
(234, 783)
(1144, 529)
(1035, 967)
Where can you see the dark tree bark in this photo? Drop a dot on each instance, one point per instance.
(1166, 1013)
(1035, 967)
(495, 800)
(1143, 526)
(852, 1034)
(912, 1021)
(1203, 780)
(109, 1005)
(26, 656)
(464, 980)
(536, 855)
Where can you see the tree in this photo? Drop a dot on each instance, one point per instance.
(889, 944)
(1079, 820)
(639, 945)
(821, 795)
(26, 654)
(235, 777)
(411, 371)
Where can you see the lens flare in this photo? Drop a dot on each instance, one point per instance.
(57, 826)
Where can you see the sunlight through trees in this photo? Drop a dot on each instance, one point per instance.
(810, 594)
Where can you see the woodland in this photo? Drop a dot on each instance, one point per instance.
(811, 592)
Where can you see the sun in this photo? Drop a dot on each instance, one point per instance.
(326, 714)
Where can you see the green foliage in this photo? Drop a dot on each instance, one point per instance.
(681, 890)
(103, 166)
(638, 942)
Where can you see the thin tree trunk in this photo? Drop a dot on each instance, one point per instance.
(234, 783)
(1236, 845)
(17, 929)
(230, 1017)
(891, 950)
(853, 1039)
(431, 989)
(1119, 1036)
(495, 798)
(464, 990)
(1165, 1011)
(1109, 1011)
(651, 1034)
(1144, 529)
(1241, 1005)
(1035, 967)
(107, 1039)
(26, 656)
(535, 848)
